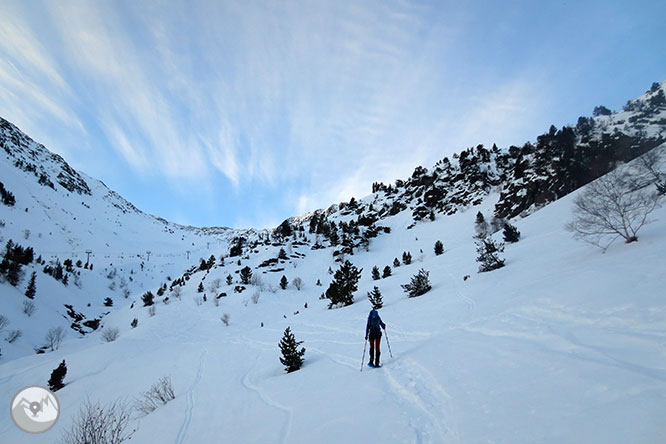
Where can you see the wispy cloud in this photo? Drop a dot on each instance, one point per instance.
(307, 102)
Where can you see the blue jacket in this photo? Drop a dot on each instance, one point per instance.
(372, 314)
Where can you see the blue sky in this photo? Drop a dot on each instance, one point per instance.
(243, 113)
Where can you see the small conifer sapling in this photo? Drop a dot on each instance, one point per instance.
(375, 297)
(292, 357)
(420, 284)
(57, 376)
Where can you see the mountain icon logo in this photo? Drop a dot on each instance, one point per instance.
(35, 409)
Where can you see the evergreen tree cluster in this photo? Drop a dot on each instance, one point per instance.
(237, 246)
(345, 283)
(406, 257)
(439, 248)
(14, 258)
(292, 357)
(57, 272)
(207, 264)
(6, 196)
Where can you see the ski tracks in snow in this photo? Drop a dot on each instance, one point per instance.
(432, 415)
(190, 400)
(271, 403)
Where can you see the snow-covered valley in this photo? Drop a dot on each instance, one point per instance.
(564, 344)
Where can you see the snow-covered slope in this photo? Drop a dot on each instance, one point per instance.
(563, 344)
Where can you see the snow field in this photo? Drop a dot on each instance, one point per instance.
(564, 344)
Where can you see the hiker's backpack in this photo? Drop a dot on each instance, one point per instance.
(374, 320)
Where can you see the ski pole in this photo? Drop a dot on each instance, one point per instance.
(364, 346)
(388, 343)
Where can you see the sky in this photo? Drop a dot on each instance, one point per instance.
(241, 114)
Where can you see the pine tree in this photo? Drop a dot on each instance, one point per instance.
(345, 281)
(148, 299)
(57, 376)
(406, 258)
(420, 284)
(200, 289)
(318, 282)
(488, 257)
(396, 263)
(334, 238)
(511, 233)
(108, 302)
(375, 273)
(375, 297)
(230, 279)
(439, 248)
(134, 323)
(282, 254)
(32, 287)
(386, 272)
(292, 358)
(13, 273)
(245, 275)
(65, 280)
(284, 282)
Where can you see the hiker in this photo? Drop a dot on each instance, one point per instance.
(374, 333)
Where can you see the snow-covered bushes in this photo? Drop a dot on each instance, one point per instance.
(255, 297)
(225, 319)
(54, 337)
(4, 322)
(110, 334)
(13, 336)
(159, 394)
(29, 308)
(96, 424)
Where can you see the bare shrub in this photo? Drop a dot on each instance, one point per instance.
(4, 322)
(615, 205)
(215, 285)
(256, 281)
(29, 308)
(95, 424)
(151, 311)
(198, 300)
(255, 297)
(225, 319)
(54, 337)
(110, 334)
(216, 301)
(159, 394)
(13, 336)
(176, 292)
(298, 283)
